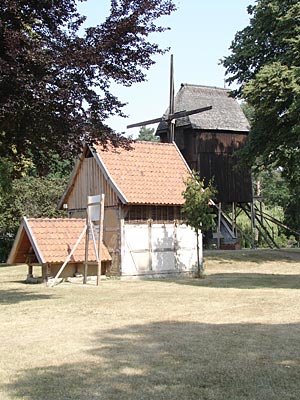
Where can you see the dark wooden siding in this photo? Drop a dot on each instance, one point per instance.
(161, 214)
(212, 153)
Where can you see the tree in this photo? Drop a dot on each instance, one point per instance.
(265, 62)
(147, 134)
(32, 196)
(55, 81)
(197, 211)
(273, 188)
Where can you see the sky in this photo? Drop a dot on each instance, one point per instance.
(201, 34)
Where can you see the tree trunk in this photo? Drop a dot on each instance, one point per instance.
(199, 261)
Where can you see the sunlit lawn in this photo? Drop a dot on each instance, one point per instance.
(233, 335)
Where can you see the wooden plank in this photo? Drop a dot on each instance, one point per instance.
(100, 239)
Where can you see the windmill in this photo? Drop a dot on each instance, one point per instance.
(172, 116)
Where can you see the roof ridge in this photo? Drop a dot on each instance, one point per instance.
(54, 219)
(203, 86)
(152, 143)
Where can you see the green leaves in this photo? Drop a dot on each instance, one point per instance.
(55, 82)
(197, 210)
(147, 134)
(270, 36)
(275, 96)
(31, 196)
(265, 61)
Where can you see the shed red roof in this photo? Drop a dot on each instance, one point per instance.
(52, 240)
(150, 173)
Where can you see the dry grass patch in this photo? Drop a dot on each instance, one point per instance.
(233, 335)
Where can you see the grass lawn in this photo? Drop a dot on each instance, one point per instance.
(233, 335)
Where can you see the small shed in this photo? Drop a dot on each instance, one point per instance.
(143, 187)
(209, 140)
(48, 242)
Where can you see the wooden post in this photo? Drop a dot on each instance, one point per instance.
(45, 273)
(253, 228)
(175, 245)
(233, 217)
(150, 243)
(171, 103)
(219, 225)
(86, 251)
(100, 239)
(30, 271)
(69, 256)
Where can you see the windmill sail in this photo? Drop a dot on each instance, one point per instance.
(171, 117)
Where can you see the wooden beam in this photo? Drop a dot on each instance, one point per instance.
(69, 256)
(219, 225)
(100, 239)
(144, 123)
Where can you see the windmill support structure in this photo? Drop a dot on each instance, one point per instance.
(229, 233)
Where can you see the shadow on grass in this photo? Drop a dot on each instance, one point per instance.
(174, 360)
(245, 281)
(256, 256)
(14, 296)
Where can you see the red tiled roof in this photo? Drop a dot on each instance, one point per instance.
(150, 173)
(54, 239)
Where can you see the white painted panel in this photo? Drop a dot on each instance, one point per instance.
(137, 236)
(187, 248)
(173, 249)
(162, 241)
(186, 237)
(162, 236)
(163, 261)
(136, 257)
(186, 259)
(94, 203)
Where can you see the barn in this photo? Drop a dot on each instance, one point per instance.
(143, 228)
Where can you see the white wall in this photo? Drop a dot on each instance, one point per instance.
(158, 249)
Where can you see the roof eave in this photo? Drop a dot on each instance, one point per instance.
(227, 130)
(140, 203)
(33, 241)
(107, 176)
(25, 226)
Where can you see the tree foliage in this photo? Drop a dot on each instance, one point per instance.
(30, 196)
(273, 188)
(265, 62)
(280, 199)
(197, 210)
(55, 80)
(147, 134)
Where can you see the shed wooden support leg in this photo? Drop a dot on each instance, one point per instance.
(30, 272)
(45, 272)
